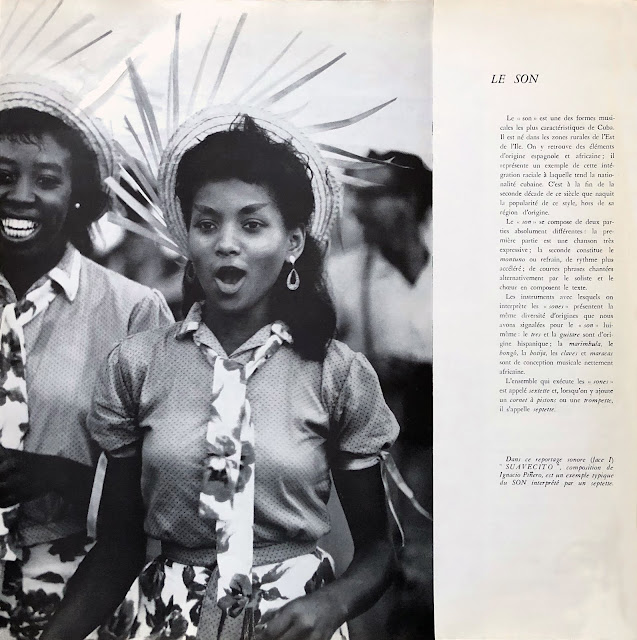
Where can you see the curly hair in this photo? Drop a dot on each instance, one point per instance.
(30, 126)
(247, 153)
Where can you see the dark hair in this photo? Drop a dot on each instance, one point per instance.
(413, 180)
(29, 126)
(247, 153)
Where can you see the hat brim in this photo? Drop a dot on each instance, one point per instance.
(325, 187)
(46, 97)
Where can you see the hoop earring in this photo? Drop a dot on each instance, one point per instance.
(294, 280)
(189, 272)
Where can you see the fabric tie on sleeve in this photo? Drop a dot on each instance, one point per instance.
(227, 492)
(389, 469)
(14, 410)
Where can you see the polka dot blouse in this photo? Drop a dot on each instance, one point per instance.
(154, 393)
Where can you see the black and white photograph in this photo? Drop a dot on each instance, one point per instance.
(216, 340)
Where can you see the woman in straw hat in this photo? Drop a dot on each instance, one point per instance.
(61, 315)
(223, 431)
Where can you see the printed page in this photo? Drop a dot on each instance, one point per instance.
(534, 436)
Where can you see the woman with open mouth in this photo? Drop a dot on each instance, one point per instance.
(223, 432)
(61, 315)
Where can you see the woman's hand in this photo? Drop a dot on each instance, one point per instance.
(317, 616)
(313, 617)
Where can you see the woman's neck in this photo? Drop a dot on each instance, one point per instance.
(232, 330)
(22, 273)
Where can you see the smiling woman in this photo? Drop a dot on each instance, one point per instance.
(52, 160)
(49, 192)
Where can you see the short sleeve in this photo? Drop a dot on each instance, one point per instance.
(363, 426)
(112, 420)
(151, 312)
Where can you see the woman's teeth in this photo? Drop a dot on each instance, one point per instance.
(18, 228)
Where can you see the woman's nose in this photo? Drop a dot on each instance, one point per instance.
(227, 241)
(22, 190)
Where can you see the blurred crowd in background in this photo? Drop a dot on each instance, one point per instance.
(380, 276)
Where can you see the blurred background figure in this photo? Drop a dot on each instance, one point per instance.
(142, 260)
(381, 279)
(382, 285)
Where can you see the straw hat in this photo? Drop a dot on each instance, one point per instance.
(326, 189)
(156, 200)
(47, 97)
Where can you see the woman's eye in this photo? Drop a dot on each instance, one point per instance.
(48, 182)
(205, 225)
(6, 177)
(253, 225)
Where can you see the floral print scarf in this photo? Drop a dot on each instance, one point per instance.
(14, 413)
(227, 492)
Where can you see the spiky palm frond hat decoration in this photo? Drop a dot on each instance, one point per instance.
(23, 34)
(155, 200)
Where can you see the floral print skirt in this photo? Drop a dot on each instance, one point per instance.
(178, 601)
(34, 587)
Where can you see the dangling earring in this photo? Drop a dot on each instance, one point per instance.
(294, 280)
(189, 272)
(77, 205)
